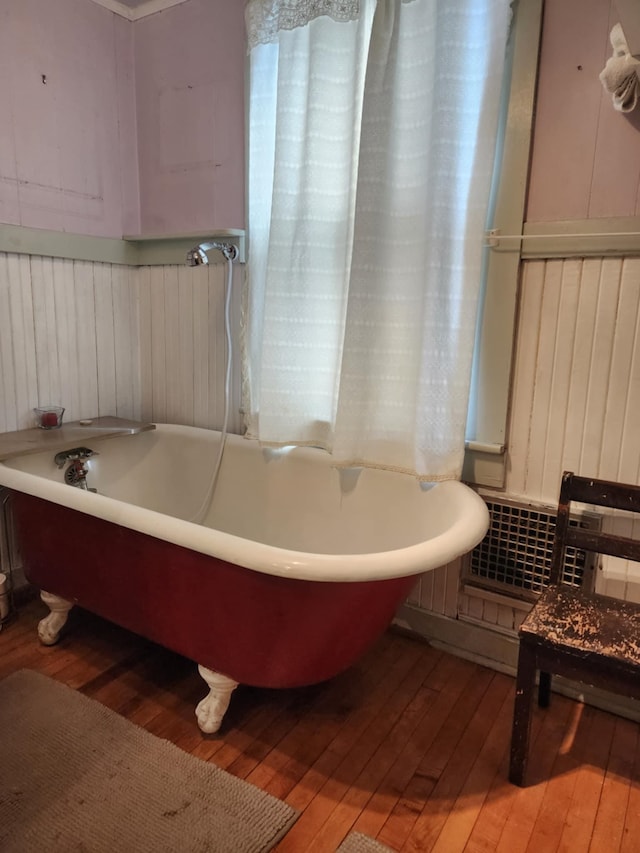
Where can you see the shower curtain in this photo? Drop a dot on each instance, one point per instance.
(372, 135)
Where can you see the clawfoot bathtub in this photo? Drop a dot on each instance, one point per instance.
(295, 569)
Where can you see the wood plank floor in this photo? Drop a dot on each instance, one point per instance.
(409, 746)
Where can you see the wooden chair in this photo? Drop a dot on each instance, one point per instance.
(583, 636)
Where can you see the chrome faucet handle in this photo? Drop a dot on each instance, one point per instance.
(73, 454)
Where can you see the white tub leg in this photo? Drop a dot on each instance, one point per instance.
(49, 628)
(211, 709)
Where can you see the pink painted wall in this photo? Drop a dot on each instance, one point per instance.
(586, 156)
(190, 62)
(68, 145)
(139, 127)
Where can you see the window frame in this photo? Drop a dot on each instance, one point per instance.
(486, 446)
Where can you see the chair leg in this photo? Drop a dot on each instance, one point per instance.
(525, 687)
(544, 689)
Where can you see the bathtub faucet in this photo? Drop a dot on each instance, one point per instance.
(76, 473)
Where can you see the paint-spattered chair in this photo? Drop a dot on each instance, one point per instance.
(582, 636)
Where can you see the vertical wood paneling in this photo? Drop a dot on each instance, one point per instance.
(526, 352)
(68, 336)
(173, 344)
(414, 597)
(600, 372)
(102, 339)
(126, 342)
(45, 331)
(158, 347)
(200, 284)
(66, 333)
(145, 345)
(544, 375)
(561, 375)
(439, 587)
(105, 337)
(22, 334)
(87, 337)
(452, 588)
(575, 403)
(182, 345)
(7, 366)
(577, 382)
(217, 349)
(619, 386)
(186, 332)
(438, 590)
(629, 447)
(577, 374)
(237, 297)
(586, 316)
(472, 607)
(425, 600)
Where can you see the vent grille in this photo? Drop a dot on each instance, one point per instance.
(515, 555)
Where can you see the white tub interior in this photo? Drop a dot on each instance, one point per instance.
(294, 500)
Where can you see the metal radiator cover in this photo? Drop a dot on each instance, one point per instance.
(514, 558)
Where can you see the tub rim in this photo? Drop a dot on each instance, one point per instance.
(465, 532)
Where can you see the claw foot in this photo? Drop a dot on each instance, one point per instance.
(211, 709)
(50, 627)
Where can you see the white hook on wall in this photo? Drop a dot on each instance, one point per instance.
(621, 75)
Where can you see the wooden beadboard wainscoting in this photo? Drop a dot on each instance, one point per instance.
(182, 344)
(576, 387)
(110, 339)
(100, 339)
(575, 401)
(68, 336)
(575, 405)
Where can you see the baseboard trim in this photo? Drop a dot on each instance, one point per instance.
(484, 646)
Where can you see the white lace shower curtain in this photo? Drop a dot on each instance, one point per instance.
(371, 145)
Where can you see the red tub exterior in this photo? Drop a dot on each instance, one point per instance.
(258, 629)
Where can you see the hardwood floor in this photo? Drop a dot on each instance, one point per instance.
(409, 746)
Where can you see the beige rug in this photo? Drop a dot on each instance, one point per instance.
(356, 842)
(77, 778)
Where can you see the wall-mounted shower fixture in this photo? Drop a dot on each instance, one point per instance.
(198, 255)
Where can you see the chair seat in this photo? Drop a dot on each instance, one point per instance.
(591, 624)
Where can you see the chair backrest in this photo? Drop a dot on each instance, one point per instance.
(602, 493)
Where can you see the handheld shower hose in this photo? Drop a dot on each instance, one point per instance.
(230, 252)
